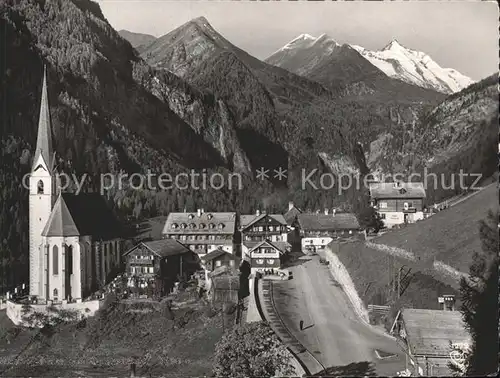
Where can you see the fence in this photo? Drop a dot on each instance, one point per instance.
(379, 310)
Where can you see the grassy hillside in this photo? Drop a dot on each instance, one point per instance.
(451, 236)
(160, 343)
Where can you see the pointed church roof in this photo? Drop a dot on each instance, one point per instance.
(82, 215)
(44, 138)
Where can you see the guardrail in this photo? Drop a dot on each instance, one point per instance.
(300, 363)
(308, 362)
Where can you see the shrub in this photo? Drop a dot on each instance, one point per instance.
(252, 350)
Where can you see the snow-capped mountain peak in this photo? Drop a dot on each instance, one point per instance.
(415, 67)
(298, 41)
(305, 41)
(393, 45)
(304, 48)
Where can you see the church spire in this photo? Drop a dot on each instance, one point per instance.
(44, 139)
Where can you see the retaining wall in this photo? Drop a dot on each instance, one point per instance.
(85, 309)
(256, 292)
(341, 275)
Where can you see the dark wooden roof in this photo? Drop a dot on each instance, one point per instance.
(85, 214)
(429, 332)
(281, 246)
(217, 253)
(403, 190)
(291, 214)
(163, 247)
(249, 219)
(328, 222)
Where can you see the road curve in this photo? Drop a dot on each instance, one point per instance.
(332, 331)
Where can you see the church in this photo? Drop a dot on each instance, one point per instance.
(75, 241)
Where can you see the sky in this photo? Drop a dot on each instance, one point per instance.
(457, 34)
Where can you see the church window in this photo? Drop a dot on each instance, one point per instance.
(40, 187)
(69, 260)
(55, 260)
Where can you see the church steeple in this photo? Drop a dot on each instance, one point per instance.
(44, 138)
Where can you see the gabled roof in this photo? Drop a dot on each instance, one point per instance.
(82, 215)
(429, 332)
(162, 248)
(247, 220)
(402, 190)
(291, 214)
(44, 137)
(205, 223)
(328, 222)
(217, 253)
(281, 246)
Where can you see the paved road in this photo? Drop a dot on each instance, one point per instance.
(333, 333)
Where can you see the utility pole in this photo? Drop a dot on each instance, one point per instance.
(393, 275)
(181, 265)
(399, 282)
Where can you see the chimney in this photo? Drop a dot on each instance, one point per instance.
(199, 212)
(334, 211)
(132, 370)
(290, 205)
(326, 211)
(257, 212)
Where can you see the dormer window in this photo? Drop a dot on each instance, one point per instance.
(202, 225)
(402, 191)
(183, 225)
(211, 226)
(221, 226)
(191, 216)
(175, 225)
(192, 225)
(210, 216)
(40, 187)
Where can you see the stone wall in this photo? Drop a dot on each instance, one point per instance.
(341, 275)
(84, 309)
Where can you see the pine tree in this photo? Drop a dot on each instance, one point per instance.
(480, 302)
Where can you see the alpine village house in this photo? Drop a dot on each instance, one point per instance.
(264, 240)
(318, 230)
(398, 202)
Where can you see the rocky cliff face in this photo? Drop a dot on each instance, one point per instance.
(208, 116)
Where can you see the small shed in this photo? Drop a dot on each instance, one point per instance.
(429, 338)
(225, 289)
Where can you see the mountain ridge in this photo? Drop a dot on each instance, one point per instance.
(394, 60)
